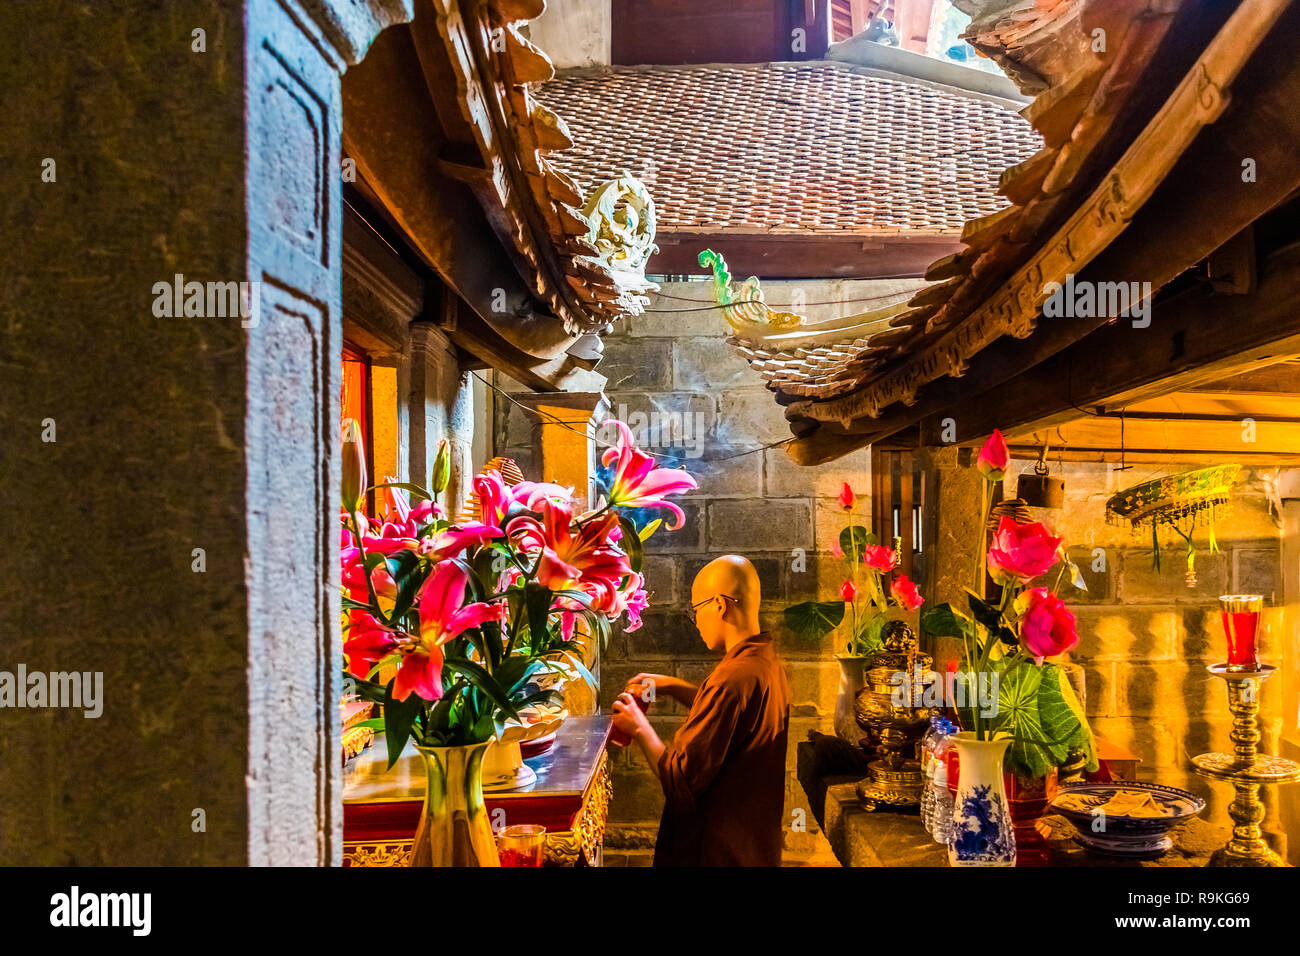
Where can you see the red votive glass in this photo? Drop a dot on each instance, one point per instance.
(523, 844)
(619, 739)
(1241, 626)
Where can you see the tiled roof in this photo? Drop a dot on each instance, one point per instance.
(814, 148)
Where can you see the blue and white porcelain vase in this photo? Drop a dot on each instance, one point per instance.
(982, 831)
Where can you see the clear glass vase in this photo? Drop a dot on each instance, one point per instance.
(982, 830)
(454, 828)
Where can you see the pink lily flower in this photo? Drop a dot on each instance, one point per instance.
(443, 615)
(449, 543)
(368, 641)
(566, 559)
(637, 483)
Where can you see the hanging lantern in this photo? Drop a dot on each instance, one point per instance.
(1040, 490)
(1182, 503)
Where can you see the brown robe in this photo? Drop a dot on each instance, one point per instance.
(724, 773)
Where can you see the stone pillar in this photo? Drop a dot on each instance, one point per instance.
(175, 469)
(564, 428)
(440, 404)
(952, 536)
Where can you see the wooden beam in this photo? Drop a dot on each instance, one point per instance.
(1177, 439)
(1196, 338)
(780, 256)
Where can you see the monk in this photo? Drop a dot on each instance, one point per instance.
(724, 772)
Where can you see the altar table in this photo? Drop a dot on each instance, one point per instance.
(829, 776)
(570, 797)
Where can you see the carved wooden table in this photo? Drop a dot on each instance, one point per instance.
(570, 798)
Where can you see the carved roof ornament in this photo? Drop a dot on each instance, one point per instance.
(538, 211)
(621, 214)
(744, 308)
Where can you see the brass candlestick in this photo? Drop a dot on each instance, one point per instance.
(1246, 768)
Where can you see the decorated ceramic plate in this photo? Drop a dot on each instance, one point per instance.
(1124, 817)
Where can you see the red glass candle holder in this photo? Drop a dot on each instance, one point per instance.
(1241, 626)
(523, 844)
(619, 739)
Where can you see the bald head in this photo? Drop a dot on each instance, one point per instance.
(728, 594)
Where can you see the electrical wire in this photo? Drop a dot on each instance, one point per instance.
(900, 298)
(555, 420)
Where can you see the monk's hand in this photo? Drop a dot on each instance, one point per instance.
(628, 717)
(649, 687)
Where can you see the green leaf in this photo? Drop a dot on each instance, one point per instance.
(399, 715)
(415, 489)
(867, 639)
(631, 543)
(814, 619)
(483, 681)
(537, 600)
(854, 540)
(991, 617)
(942, 620)
(576, 663)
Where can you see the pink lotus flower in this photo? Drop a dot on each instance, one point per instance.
(836, 550)
(1048, 626)
(906, 594)
(847, 497)
(637, 483)
(443, 615)
(848, 591)
(1021, 552)
(879, 557)
(994, 457)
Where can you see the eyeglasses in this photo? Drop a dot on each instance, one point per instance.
(694, 607)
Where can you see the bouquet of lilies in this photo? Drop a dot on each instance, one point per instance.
(450, 624)
(1007, 639)
(868, 592)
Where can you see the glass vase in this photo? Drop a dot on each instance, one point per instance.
(454, 828)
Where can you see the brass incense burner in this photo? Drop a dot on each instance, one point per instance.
(891, 709)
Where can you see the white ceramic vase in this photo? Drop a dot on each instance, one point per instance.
(852, 680)
(982, 830)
